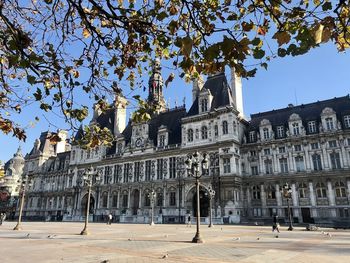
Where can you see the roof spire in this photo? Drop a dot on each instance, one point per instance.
(155, 85)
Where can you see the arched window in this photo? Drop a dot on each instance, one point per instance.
(303, 192)
(224, 127)
(204, 132)
(114, 199)
(105, 199)
(329, 123)
(340, 190)
(271, 192)
(190, 135)
(147, 200)
(321, 191)
(256, 192)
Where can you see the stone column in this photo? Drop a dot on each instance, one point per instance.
(249, 200)
(325, 158)
(307, 161)
(331, 198)
(295, 201)
(291, 162)
(261, 164)
(129, 197)
(312, 199)
(140, 198)
(348, 190)
(118, 203)
(279, 200)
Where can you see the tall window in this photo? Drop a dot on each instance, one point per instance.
(347, 121)
(159, 169)
(280, 132)
(114, 199)
(321, 191)
(227, 165)
(148, 171)
(161, 140)
(88, 154)
(266, 133)
(284, 165)
(108, 171)
(159, 197)
(335, 160)
(340, 190)
(125, 200)
(252, 136)
(204, 105)
(172, 201)
(105, 199)
(267, 151)
(297, 148)
(204, 132)
(303, 190)
(190, 135)
(296, 130)
(126, 172)
(299, 163)
(316, 161)
(254, 170)
(329, 124)
(137, 171)
(256, 192)
(216, 131)
(172, 167)
(268, 166)
(271, 192)
(282, 149)
(314, 145)
(311, 126)
(73, 155)
(120, 148)
(224, 127)
(147, 200)
(332, 143)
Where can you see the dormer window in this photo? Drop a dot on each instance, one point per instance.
(312, 126)
(266, 133)
(204, 105)
(329, 124)
(162, 140)
(204, 132)
(224, 127)
(119, 148)
(190, 135)
(280, 132)
(347, 121)
(252, 136)
(296, 130)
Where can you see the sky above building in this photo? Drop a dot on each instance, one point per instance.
(318, 75)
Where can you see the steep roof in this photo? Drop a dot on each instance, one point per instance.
(219, 89)
(307, 112)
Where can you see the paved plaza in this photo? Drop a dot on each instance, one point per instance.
(61, 242)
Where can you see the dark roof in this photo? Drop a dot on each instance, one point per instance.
(44, 145)
(307, 112)
(106, 119)
(171, 119)
(219, 89)
(79, 134)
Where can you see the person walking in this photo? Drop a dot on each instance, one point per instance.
(189, 221)
(275, 224)
(110, 218)
(2, 218)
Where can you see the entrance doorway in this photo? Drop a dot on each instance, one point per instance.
(305, 213)
(135, 201)
(204, 203)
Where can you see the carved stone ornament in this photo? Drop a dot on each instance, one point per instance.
(294, 117)
(265, 122)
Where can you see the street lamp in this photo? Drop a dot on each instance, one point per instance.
(88, 180)
(287, 193)
(25, 184)
(192, 166)
(152, 196)
(211, 192)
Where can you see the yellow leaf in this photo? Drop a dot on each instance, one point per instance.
(86, 33)
(317, 32)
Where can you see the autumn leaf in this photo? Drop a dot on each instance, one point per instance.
(282, 37)
(169, 79)
(86, 33)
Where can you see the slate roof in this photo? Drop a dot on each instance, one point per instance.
(44, 146)
(307, 112)
(219, 89)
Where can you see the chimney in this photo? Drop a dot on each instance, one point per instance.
(196, 87)
(61, 145)
(236, 86)
(120, 104)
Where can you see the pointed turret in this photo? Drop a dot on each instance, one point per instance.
(155, 84)
(236, 86)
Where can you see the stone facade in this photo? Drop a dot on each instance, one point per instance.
(306, 146)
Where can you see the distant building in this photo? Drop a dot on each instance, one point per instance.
(306, 146)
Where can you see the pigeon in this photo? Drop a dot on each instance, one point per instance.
(165, 256)
(129, 239)
(329, 234)
(221, 229)
(27, 236)
(105, 261)
(51, 236)
(276, 236)
(237, 238)
(258, 238)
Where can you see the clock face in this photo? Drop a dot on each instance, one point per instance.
(138, 142)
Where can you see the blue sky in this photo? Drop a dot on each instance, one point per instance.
(320, 74)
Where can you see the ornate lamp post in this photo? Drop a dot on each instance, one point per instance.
(152, 196)
(287, 193)
(211, 192)
(89, 179)
(25, 183)
(192, 166)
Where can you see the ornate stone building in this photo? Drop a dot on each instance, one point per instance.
(306, 146)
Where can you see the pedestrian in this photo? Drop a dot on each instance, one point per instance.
(2, 218)
(189, 220)
(110, 217)
(275, 224)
